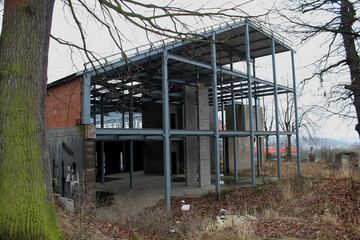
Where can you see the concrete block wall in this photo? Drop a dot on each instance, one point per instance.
(204, 142)
(197, 149)
(63, 104)
(243, 143)
(191, 143)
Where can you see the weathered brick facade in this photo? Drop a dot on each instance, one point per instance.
(63, 104)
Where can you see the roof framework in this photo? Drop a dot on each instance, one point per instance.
(158, 74)
(189, 64)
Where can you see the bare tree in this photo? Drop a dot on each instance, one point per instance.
(26, 203)
(339, 22)
(268, 113)
(287, 120)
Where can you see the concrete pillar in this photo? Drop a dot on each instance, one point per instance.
(212, 150)
(204, 141)
(90, 163)
(338, 163)
(191, 143)
(354, 160)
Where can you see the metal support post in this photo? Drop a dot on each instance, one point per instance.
(102, 110)
(257, 103)
(235, 128)
(248, 63)
(223, 127)
(86, 91)
(131, 123)
(257, 137)
(296, 113)
(166, 128)
(276, 109)
(215, 103)
(234, 122)
(131, 164)
(102, 162)
(94, 106)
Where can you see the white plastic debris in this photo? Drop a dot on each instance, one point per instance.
(185, 207)
(223, 211)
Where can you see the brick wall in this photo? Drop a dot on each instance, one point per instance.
(63, 104)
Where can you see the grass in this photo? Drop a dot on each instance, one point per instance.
(324, 203)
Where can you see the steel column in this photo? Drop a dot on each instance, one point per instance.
(131, 164)
(102, 110)
(248, 63)
(234, 138)
(166, 128)
(257, 120)
(222, 125)
(257, 137)
(276, 109)
(102, 161)
(131, 126)
(215, 116)
(86, 90)
(234, 123)
(296, 113)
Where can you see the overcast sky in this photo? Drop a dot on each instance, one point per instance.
(63, 61)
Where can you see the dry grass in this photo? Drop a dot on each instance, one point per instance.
(322, 204)
(290, 169)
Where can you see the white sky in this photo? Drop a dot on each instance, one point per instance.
(63, 62)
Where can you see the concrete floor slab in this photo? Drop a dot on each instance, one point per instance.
(149, 189)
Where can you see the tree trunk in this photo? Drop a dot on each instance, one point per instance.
(26, 203)
(352, 58)
(267, 148)
(288, 149)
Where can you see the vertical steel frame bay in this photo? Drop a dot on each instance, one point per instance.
(215, 107)
(296, 113)
(248, 63)
(276, 109)
(85, 113)
(166, 128)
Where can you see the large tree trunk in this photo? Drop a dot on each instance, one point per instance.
(352, 57)
(26, 204)
(288, 148)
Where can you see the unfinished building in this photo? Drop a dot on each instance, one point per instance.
(157, 110)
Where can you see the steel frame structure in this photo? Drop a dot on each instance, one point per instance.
(156, 74)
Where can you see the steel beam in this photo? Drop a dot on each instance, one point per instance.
(257, 137)
(277, 122)
(102, 110)
(234, 123)
(250, 98)
(223, 125)
(215, 116)
(166, 128)
(102, 162)
(86, 91)
(296, 113)
(131, 126)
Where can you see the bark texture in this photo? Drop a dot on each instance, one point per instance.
(26, 203)
(348, 19)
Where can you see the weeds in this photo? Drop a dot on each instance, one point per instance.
(322, 204)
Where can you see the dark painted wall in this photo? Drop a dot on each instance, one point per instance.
(67, 157)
